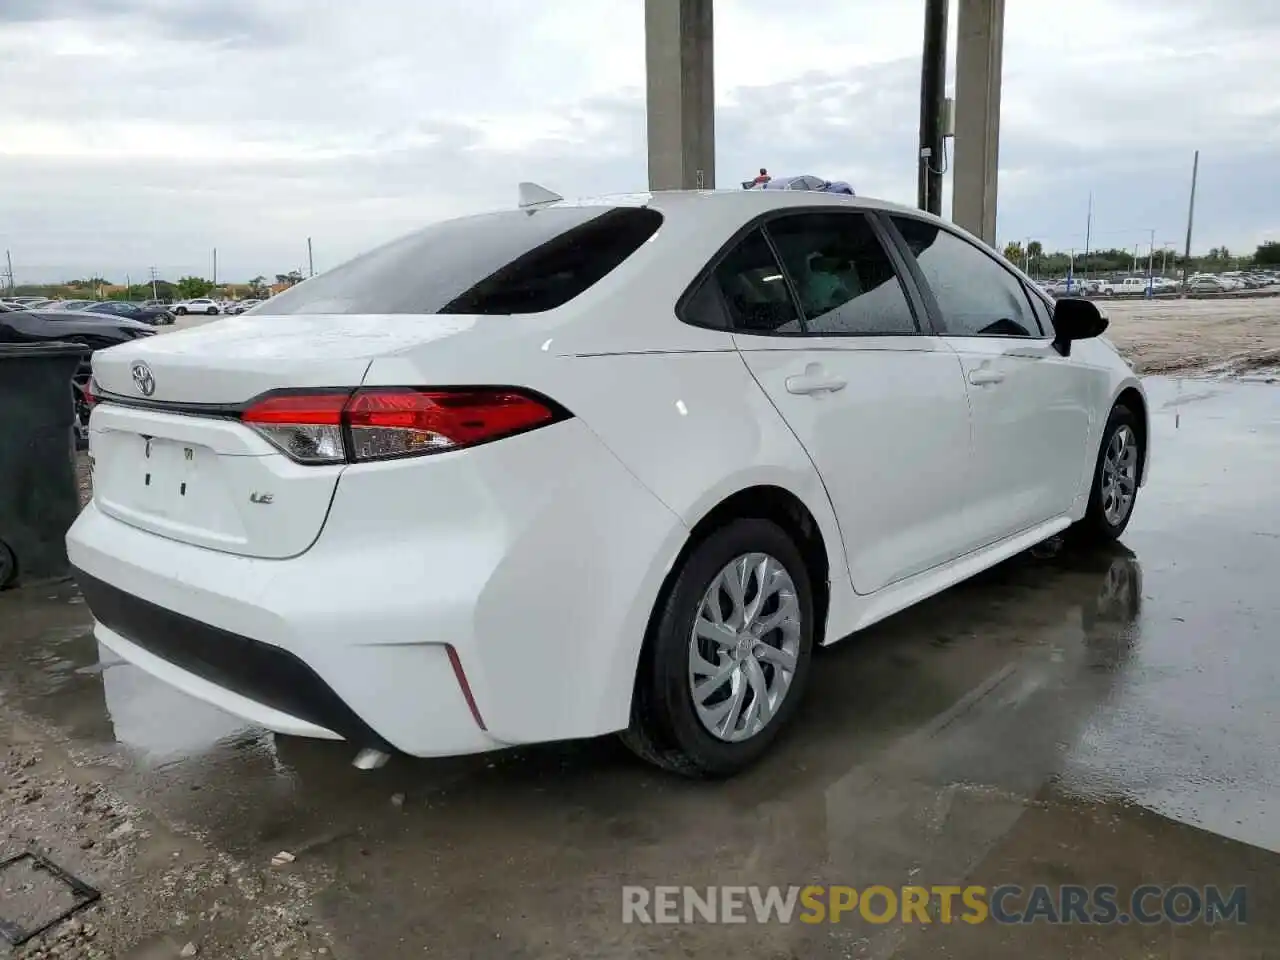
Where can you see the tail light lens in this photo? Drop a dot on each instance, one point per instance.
(387, 423)
(307, 427)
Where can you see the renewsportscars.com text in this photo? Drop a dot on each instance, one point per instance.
(1006, 904)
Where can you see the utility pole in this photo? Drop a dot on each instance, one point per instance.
(311, 260)
(1191, 214)
(215, 266)
(1088, 231)
(154, 295)
(8, 256)
(1151, 259)
(933, 94)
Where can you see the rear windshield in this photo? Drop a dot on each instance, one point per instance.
(515, 261)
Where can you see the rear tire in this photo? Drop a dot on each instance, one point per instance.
(8, 566)
(181, 311)
(1114, 491)
(738, 660)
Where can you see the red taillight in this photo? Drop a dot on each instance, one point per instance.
(387, 422)
(295, 408)
(90, 399)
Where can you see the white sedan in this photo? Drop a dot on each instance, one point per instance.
(197, 305)
(578, 468)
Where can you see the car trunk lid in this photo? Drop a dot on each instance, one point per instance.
(170, 454)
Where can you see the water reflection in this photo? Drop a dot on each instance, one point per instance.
(159, 722)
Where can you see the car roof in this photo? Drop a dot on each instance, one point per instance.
(731, 208)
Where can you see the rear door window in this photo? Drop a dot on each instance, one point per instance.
(511, 262)
(843, 276)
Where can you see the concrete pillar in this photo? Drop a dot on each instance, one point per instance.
(680, 77)
(979, 52)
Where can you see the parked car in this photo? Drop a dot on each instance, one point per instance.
(1062, 288)
(93, 330)
(196, 305)
(554, 472)
(68, 304)
(240, 306)
(804, 182)
(1207, 284)
(156, 316)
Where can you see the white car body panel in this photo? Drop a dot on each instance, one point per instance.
(1031, 421)
(537, 559)
(862, 434)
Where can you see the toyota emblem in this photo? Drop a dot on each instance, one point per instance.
(144, 379)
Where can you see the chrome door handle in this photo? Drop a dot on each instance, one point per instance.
(983, 376)
(815, 380)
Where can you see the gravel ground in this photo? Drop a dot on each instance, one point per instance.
(1235, 337)
(166, 893)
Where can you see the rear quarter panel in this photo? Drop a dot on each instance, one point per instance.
(695, 428)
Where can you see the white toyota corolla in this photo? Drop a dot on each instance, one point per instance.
(585, 467)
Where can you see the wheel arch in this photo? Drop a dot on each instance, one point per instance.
(1132, 397)
(762, 501)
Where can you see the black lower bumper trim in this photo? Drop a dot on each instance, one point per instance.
(258, 671)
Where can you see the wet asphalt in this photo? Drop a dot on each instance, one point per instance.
(1067, 718)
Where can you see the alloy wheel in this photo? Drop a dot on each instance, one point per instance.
(1119, 475)
(744, 647)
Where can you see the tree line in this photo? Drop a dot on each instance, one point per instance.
(185, 288)
(1039, 262)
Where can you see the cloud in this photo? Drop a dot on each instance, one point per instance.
(144, 133)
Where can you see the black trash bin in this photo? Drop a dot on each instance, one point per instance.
(38, 496)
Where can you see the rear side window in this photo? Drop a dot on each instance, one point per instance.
(511, 262)
(747, 292)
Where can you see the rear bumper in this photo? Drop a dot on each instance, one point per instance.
(227, 631)
(533, 563)
(278, 690)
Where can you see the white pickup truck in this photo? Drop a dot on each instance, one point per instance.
(1129, 285)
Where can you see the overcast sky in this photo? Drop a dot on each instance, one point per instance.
(136, 133)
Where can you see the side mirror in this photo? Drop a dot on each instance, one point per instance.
(1076, 320)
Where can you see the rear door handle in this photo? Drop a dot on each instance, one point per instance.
(984, 375)
(815, 380)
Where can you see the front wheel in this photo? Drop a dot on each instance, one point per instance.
(1115, 479)
(728, 654)
(212, 311)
